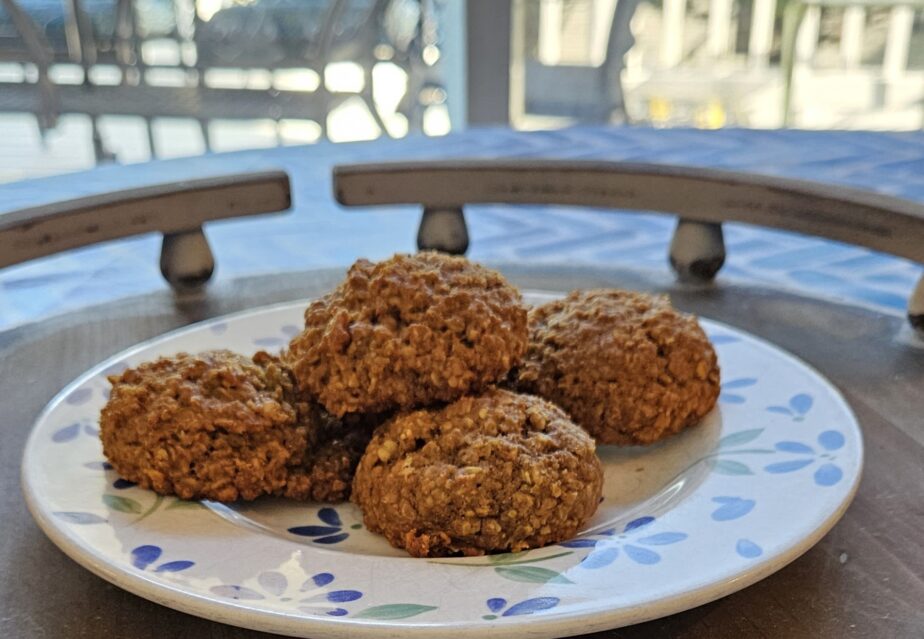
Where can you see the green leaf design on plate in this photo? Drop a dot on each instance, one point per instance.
(741, 437)
(730, 467)
(183, 503)
(394, 611)
(122, 504)
(532, 575)
(507, 557)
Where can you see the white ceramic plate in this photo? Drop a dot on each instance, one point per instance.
(695, 518)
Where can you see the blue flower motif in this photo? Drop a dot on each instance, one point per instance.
(287, 332)
(79, 396)
(269, 342)
(66, 434)
(312, 595)
(607, 550)
(732, 508)
(827, 473)
(798, 408)
(70, 432)
(735, 384)
(290, 330)
(218, 328)
(525, 607)
(142, 557)
(329, 534)
(748, 549)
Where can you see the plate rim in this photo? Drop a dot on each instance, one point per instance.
(594, 617)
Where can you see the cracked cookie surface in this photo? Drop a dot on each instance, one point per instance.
(407, 332)
(224, 427)
(626, 366)
(216, 425)
(500, 472)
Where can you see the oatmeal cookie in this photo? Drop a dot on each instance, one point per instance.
(494, 473)
(215, 426)
(626, 366)
(334, 449)
(407, 332)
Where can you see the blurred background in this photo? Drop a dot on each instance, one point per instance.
(86, 82)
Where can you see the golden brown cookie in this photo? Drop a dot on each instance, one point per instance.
(334, 449)
(493, 473)
(407, 332)
(626, 366)
(215, 426)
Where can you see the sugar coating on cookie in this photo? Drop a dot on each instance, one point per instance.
(626, 366)
(494, 473)
(407, 332)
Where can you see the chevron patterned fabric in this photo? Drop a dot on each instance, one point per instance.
(319, 233)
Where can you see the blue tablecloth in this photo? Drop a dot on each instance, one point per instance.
(319, 233)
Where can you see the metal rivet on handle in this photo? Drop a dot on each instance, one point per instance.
(186, 260)
(697, 250)
(443, 229)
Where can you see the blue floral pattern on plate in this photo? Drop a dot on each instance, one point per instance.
(797, 408)
(827, 473)
(631, 542)
(498, 607)
(313, 596)
(329, 533)
(145, 556)
(715, 514)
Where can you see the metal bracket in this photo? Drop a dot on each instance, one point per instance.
(443, 229)
(178, 210)
(697, 250)
(916, 306)
(186, 260)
